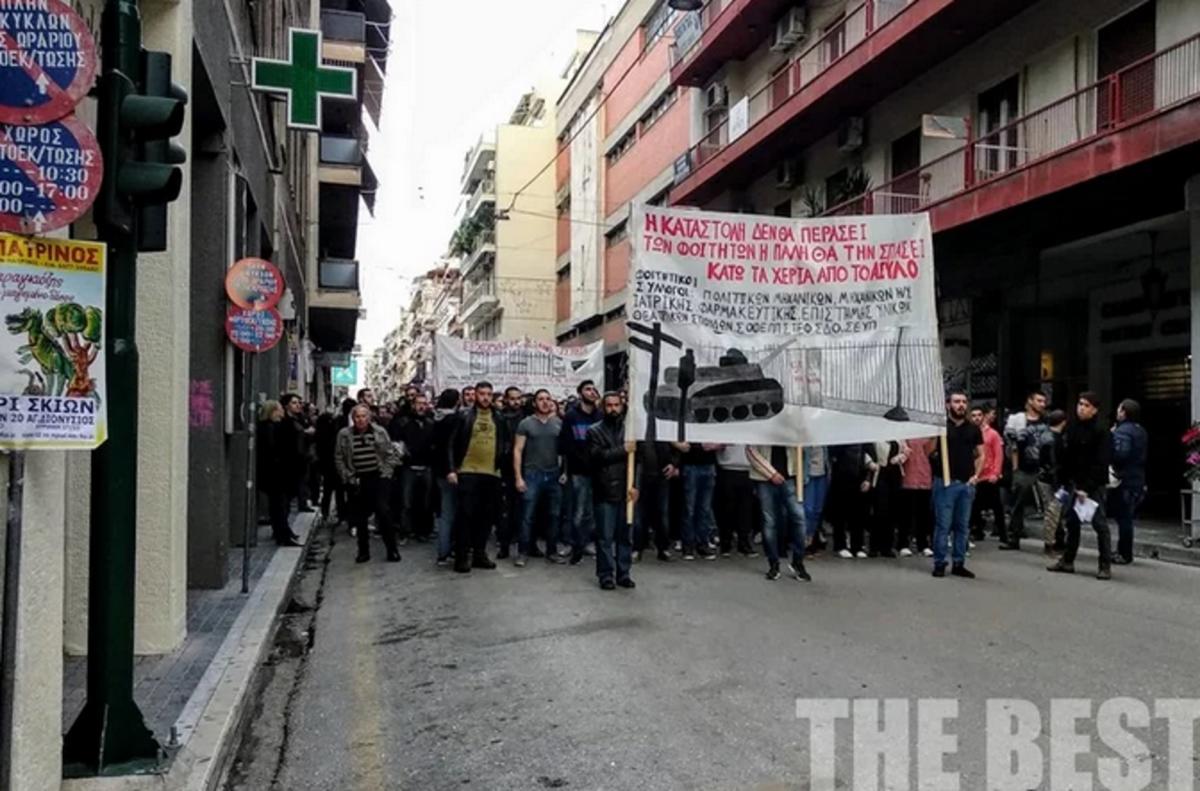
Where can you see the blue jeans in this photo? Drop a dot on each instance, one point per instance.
(1123, 504)
(613, 542)
(540, 486)
(779, 504)
(699, 521)
(952, 516)
(583, 521)
(816, 490)
(445, 522)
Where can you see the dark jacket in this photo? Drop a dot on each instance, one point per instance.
(443, 431)
(1086, 454)
(1129, 446)
(271, 474)
(848, 464)
(416, 432)
(1050, 454)
(573, 441)
(464, 424)
(607, 455)
(326, 442)
(290, 442)
(511, 419)
(652, 457)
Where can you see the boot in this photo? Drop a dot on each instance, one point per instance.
(1063, 565)
(1104, 545)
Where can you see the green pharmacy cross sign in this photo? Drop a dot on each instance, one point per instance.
(304, 78)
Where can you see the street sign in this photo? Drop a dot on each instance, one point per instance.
(253, 330)
(47, 60)
(304, 79)
(345, 376)
(49, 175)
(254, 284)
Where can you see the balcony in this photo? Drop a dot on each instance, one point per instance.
(479, 299)
(343, 36)
(341, 160)
(485, 249)
(338, 274)
(877, 48)
(1147, 109)
(484, 195)
(721, 31)
(479, 162)
(334, 304)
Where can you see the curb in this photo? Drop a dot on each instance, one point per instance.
(211, 723)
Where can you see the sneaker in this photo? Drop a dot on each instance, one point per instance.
(519, 562)
(927, 552)
(939, 570)
(664, 556)
(637, 556)
(442, 562)
(773, 573)
(960, 570)
(707, 554)
(860, 555)
(971, 545)
(590, 550)
(712, 544)
(1104, 574)
(354, 532)
(678, 546)
(626, 583)
(906, 553)
(564, 551)
(726, 554)
(689, 554)
(575, 558)
(608, 585)
(845, 554)
(748, 553)
(556, 559)
(800, 573)
(1062, 567)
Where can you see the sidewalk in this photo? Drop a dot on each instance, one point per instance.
(1153, 539)
(192, 698)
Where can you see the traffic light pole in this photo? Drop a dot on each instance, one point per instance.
(110, 735)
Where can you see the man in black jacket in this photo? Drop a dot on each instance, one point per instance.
(608, 453)
(415, 432)
(508, 529)
(657, 466)
(1084, 470)
(479, 447)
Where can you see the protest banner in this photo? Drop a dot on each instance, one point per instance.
(52, 376)
(526, 364)
(772, 330)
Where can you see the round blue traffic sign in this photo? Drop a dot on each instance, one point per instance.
(47, 60)
(49, 175)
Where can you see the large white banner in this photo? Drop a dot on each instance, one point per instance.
(773, 330)
(586, 218)
(529, 365)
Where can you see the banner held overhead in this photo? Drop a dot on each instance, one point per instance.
(526, 364)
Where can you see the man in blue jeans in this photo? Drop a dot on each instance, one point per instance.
(1129, 444)
(574, 448)
(773, 470)
(952, 502)
(537, 474)
(699, 482)
(609, 453)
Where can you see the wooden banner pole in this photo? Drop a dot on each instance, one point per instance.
(799, 473)
(945, 454)
(629, 463)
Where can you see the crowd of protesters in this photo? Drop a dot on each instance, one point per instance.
(547, 479)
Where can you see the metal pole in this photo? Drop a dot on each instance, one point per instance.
(110, 735)
(12, 589)
(250, 523)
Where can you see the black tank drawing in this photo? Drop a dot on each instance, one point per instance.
(733, 391)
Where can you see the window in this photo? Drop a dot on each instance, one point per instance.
(835, 39)
(998, 145)
(657, 24)
(622, 146)
(659, 109)
(618, 234)
(660, 199)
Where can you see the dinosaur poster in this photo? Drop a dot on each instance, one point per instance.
(771, 330)
(52, 376)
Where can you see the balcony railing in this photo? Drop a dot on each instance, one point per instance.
(686, 33)
(477, 290)
(338, 274)
(341, 150)
(485, 192)
(834, 44)
(343, 25)
(1148, 87)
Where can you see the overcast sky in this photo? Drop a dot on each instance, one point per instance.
(456, 69)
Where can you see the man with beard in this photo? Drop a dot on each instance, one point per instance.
(1023, 435)
(479, 447)
(952, 501)
(609, 452)
(574, 438)
(508, 526)
(1084, 470)
(537, 475)
(415, 432)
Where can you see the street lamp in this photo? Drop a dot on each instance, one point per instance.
(686, 5)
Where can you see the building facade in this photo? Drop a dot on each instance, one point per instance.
(408, 349)
(1056, 146)
(622, 125)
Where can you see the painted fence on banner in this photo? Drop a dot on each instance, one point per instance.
(754, 329)
(526, 364)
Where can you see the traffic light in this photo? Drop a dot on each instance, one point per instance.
(135, 127)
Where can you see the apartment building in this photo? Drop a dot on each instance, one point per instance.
(407, 356)
(622, 125)
(1056, 145)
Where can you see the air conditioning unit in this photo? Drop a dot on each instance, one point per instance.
(851, 134)
(788, 174)
(716, 98)
(790, 30)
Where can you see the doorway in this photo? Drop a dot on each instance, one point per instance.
(1160, 381)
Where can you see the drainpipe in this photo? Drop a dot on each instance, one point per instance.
(8, 638)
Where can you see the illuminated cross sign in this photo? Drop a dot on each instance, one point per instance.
(304, 79)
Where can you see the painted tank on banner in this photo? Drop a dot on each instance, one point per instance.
(735, 390)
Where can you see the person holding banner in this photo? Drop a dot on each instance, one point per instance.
(609, 456)
(774, 469)
(848, 493)
(479, 447)
(952, 498)
(657, 466)
(699, 485)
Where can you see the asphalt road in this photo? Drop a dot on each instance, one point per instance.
(419, 678)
